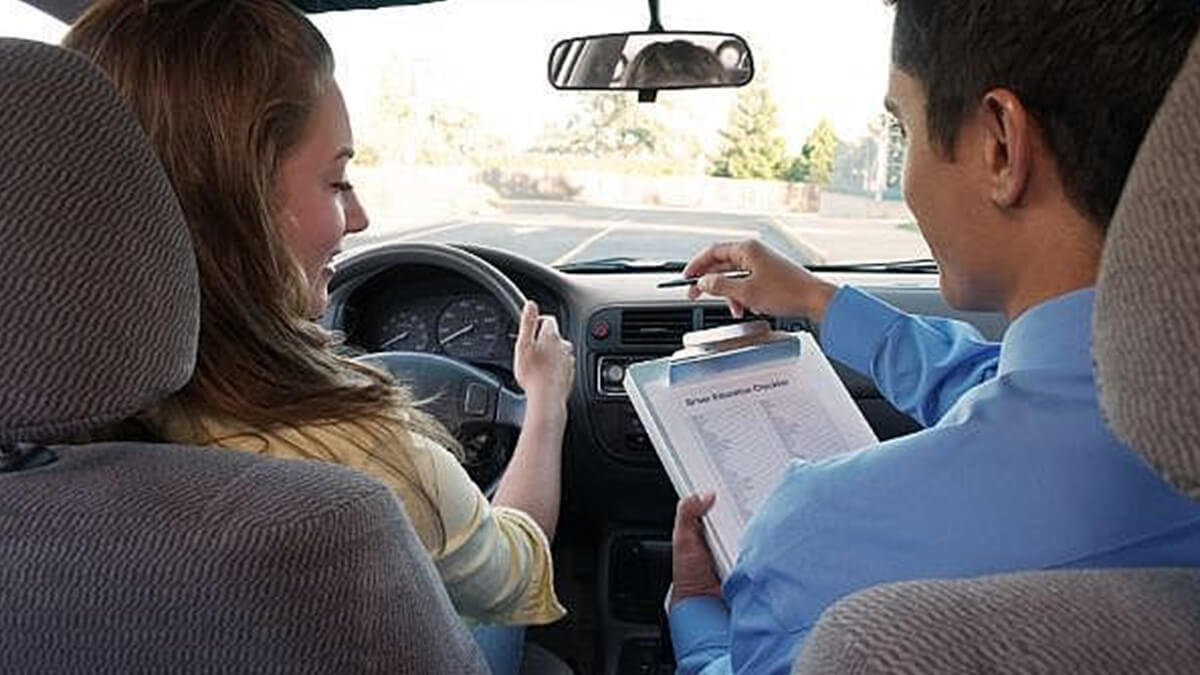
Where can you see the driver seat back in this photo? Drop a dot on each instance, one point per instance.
(134, 557)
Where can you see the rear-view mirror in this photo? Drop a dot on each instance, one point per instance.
(651, 60)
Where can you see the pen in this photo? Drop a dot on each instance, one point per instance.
(691, 281)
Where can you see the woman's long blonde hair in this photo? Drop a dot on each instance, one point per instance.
(225, 89)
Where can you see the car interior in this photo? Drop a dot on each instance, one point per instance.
(438, 307)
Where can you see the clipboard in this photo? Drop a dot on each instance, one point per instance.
(779, 376)
(742, 345)
(705, 353)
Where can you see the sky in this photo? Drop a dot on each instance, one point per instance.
(822, 58)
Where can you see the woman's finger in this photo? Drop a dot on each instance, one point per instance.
(529, 319)
(548, 329)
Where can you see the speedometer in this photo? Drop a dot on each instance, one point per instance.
(404, 331)
(469, 328)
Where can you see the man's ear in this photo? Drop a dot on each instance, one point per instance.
(1008, 151)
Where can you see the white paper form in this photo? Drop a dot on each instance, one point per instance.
(734, 433)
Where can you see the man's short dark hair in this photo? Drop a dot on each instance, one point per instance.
(1092, 73)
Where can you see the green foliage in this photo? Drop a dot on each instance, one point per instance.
(752, 146)
(860, 167)
(798, 170)
(454, 135)
(420, 130)
(604, 125)
(854, 168)
(614, 126)
(897, 149)
(819, 154)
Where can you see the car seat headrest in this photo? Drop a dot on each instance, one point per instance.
(1147, 322)
(99, 298)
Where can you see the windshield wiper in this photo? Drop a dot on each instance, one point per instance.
(631, 264)
(622, 264)
(917, 266)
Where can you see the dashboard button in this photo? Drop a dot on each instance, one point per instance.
(601, 330)
(614, 373)
(476, 401)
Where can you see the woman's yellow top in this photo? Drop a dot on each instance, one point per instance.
(494, 561)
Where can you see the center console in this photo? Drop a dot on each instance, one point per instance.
(635, 564)
(620, 336)
(635, 573)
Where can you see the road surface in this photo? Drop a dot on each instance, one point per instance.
(557, 233)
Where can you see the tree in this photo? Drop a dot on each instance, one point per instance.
(605, 125)
(855, 165)
(388, 135)
(407, 127)
(861, 166)
(797, 171)
(897, 149)
(819, 154)
(453, 134)
(752, 146)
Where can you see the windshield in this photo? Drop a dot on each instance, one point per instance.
(462, 139)
(19, 20)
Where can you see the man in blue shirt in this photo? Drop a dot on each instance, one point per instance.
(1023, 119)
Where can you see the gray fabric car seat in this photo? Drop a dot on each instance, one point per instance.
(1147, 332)
(138, 558)
(1147, 348)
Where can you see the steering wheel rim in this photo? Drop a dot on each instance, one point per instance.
(458, 394)
(365, 262)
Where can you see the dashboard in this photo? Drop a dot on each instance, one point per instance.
(613, 320)
(427, 309)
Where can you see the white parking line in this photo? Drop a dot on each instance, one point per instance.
(797, 241)
(629, 225)
(582, 246)
(432, 231)
(532, 226)
(863, 235)
(644, 207)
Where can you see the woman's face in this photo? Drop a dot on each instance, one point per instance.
(319, 205)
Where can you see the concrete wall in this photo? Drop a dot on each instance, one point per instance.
(837, 205)
(426, 192)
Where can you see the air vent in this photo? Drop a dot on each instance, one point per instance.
(715, 317)
(655, 327)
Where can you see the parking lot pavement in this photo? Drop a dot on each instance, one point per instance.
(843, 240)
(557, 233)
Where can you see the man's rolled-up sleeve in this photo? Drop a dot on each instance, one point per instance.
(922, 365)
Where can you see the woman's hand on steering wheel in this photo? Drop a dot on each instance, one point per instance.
(543, 362)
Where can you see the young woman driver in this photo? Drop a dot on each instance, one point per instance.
(240, 101)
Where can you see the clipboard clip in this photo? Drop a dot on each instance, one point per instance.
(740, 345)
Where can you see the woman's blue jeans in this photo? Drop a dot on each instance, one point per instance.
(503, 647)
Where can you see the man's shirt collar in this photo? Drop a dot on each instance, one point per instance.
(1056, 334)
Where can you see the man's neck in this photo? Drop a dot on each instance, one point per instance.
(1061, 259)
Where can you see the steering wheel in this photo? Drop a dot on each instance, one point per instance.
(464, 398)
